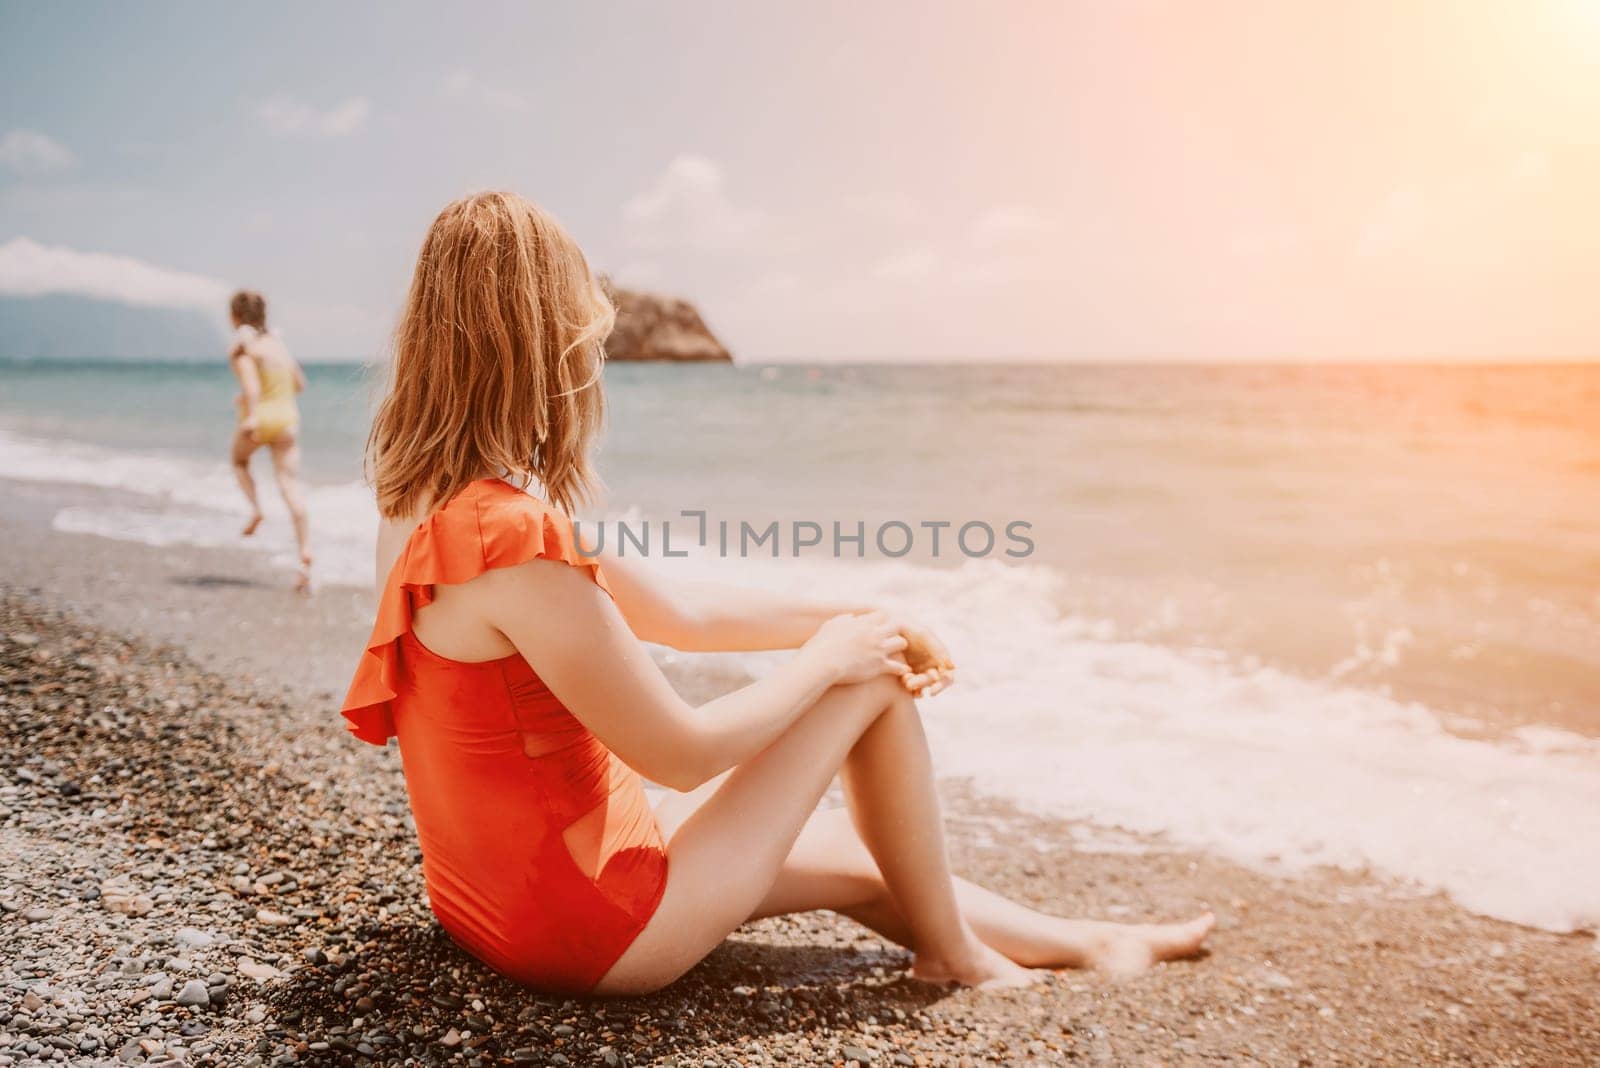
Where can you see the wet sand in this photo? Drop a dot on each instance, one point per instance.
(198, 864)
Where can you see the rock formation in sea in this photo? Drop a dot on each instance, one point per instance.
(655, 327)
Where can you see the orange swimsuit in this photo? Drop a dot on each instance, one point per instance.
(541, 856)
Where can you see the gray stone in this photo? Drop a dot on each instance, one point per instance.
(194, 992)
(193, 938)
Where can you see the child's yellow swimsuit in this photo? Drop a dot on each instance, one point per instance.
(277, 415)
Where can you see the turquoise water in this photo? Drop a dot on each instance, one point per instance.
(1434, 528)
(1318, 615)
(182, 408)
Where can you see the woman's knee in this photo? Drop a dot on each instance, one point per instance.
(864, 703)
(891, 697)
(870, 705)
(883, 693)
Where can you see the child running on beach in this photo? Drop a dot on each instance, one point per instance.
(269, 378)
(513, 671)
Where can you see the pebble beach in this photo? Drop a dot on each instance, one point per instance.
(199, 866)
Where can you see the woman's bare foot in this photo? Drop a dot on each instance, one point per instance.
(1127, 949)
(302, 579)
(251, 525)
(988, 969)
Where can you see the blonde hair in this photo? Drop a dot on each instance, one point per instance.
(497, 361)
(250, 308)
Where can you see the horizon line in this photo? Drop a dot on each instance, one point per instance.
(1499, 360)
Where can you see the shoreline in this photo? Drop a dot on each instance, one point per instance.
(154, 755)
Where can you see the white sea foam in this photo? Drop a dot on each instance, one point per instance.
(1268, 768)
(1061, 714)
(192, 502)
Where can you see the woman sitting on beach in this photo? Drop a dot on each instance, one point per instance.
(269, 378)
(512, 670)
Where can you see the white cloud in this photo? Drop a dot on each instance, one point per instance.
(1006, 226)
(1001, 243)
(31, 152)
(687, 176)
(285, 115)
(29, 269)
(466, 86)
(687, 206)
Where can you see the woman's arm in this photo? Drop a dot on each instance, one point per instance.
(582, 648)
(708, 617)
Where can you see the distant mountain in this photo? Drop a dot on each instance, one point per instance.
(74, 327)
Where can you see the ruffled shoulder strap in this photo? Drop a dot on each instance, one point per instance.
(489, 525)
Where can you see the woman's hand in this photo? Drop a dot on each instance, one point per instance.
(859, 648)
(248, 426)
(932, 670)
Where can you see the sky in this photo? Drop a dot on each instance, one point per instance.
(1229, 180)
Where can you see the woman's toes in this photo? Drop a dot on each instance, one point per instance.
(1130, 950)
(1174, 941)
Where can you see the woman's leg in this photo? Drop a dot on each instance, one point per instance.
(893, 802)
(286, 466)
(244, 445)
(831, 868)
(724, 857)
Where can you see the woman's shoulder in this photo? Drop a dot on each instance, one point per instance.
(517, 526)
(505, 501)
(488, 526)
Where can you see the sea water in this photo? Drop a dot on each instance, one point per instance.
(1295, 615)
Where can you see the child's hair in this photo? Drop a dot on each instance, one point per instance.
(497, 361)
(250, 308)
